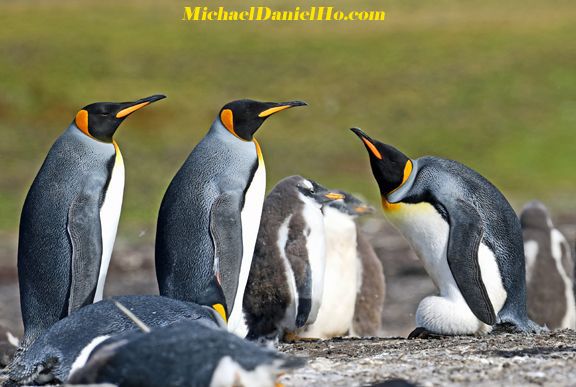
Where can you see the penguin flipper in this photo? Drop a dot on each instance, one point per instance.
(296, 251)
(226, 233)
(464, 241)
(85, 233)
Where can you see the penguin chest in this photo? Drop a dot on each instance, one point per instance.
(316, 248)
(340, 278)
(250, 218)
(109, 217)
(428, 234)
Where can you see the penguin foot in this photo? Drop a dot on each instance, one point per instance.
(291, 337)
(423, 333)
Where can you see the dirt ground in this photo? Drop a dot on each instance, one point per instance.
(503, 359)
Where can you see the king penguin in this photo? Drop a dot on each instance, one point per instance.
(210, 213)
(467, 236)
(189, 352)
(66, 346)
(70, 217)
(286, 281)
(549, 269)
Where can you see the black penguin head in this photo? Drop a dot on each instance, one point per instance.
(390, 167)
(535, 215)
(316, 192)
(101, 119)
(351, 205)
(242, 118)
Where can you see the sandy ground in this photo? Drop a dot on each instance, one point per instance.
(503, 359)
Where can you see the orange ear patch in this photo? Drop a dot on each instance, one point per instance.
(407, 171)
(372, 148)
(81, 121)
(227, 119)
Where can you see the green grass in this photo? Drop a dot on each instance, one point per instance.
(492, 85)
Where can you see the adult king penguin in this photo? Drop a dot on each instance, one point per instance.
(70, 217)
(465, 232)
(210, 214)
(549, 269)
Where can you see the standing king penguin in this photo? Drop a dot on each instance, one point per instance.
(209, 216)
(467, 236)
(549, 269)
(70, 217)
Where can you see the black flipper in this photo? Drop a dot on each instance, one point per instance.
(226, 232)
(465, 236)
(85, 233)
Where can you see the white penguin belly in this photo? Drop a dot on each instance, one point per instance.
(250, 216)
(109, 217)
(428, 234)
(340, 278)
(316, 247)
(85, 353)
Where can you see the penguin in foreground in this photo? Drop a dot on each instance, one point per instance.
(549, 269)
(190, 353)
(70, 217)
(66, 346)
(210, 214)
(343, 277)
(467, 236)
(286, 280)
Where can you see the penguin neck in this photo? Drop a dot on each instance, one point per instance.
(220, 133)
(96, 145)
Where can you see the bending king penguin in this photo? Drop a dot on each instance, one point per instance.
(466, 235)
(210, 214)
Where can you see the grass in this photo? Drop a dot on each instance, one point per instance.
(491, 85)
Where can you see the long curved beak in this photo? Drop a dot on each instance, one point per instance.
(130, 107)
(276, 107)
(368, 142)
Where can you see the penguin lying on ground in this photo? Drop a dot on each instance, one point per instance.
(467, 236)
(66, 346)
(285, 284)
(70, 217)
(209, 217)
(549, 269)
(342, 302)
(191, 353)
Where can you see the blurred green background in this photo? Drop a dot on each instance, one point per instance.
(491, 84)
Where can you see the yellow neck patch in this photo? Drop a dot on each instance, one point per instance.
(407, 172)
(221, 311)
(258, 152)
(387, 206)
(81, 121)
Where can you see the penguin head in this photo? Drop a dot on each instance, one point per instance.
(351, 205)
(101, 119)
(391, 168)
(317, 193)
(242, 118)
(535, 215)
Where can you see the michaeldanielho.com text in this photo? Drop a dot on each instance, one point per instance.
(270, 14)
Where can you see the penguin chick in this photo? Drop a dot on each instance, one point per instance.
(549, 269)
(466, 234)
(70, 216)
(285, 284)
(344, 272)
(66, 345)
(209, 217)
(190, 353)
